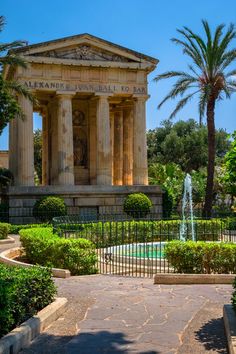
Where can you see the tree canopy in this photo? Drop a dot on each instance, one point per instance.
(184, 143)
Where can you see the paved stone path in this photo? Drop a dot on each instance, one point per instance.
(127, 315)
(109, 314)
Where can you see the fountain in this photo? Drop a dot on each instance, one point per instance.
(187, 210)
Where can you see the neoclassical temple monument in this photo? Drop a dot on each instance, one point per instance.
(91, 95)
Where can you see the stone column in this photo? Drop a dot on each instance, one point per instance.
(104, 163)
(92, 142)
(53, 141)
(128, 146)
(25, 145)
(65, 140)
(118, 148)
(140, 172)
(13, 146)
(45, 148)
(112, 144)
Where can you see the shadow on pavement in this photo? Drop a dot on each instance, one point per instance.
(85, 343)
(104, 342)
(212, 336)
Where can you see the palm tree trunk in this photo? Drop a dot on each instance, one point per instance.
(207, 210)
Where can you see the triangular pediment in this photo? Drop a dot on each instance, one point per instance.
(83, 51)
(85, 47)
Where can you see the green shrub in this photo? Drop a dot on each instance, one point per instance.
(14, 229)
(43, 247)
(4, 230)
(46, 208)
(231, 224)
(137, 205)
(167, 203)
(233, 299)
(23, 292)
(201, 257)
(109, 233)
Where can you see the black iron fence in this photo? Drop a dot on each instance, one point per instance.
(136, 247)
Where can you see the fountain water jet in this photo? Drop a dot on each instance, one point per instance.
(187, 203)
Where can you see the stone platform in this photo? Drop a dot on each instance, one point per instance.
(91, 198)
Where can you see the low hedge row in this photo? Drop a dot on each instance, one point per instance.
(43, 247)
(4, 230)
(233, 299)
(14, 229)
(110, 233)
(201, 257)
(23, 292)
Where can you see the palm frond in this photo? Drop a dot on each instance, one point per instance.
(203, 103)
(182, 103)
(169, 74)
(13, 60)
(20, 89)
(8, 46)
(2, 22)
(231, 73)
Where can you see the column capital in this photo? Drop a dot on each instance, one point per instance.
(65, 94)
(141, 98)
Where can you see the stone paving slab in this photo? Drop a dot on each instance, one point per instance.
(131, 315)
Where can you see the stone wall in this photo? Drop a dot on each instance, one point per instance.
(107, 199)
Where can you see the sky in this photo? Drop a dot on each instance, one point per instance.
(145, 26)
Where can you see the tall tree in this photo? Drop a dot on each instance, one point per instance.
(184, 143)
(10, 88)
(211, 57)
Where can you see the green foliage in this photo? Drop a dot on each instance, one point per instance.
(137, 205)
(230, 166)
(233, 299)
(38, 153)
(9, 106)
(230, 223)
(183, 143)
(111, 233)
(4, 230)
(201, 257)
(43, 247)
(46, 208)
(170, 177)
(14, 229)
(167, 203)
(23, 292)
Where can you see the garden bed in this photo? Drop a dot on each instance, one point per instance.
(21, 336)
(13, 257)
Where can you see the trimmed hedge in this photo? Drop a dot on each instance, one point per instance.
(201, 257)
(105, 234)
(43, 247)
(233, 299)
(137, 205)
(4, 230)
(46, 208)
(14, 229)
(23, 292)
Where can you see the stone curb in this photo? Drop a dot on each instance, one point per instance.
(7, 240)
(229, 316)
(21, 336)
(6, 258)
(175, 278)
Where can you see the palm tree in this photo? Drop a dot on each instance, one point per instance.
(10, 88)
(207, 78)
